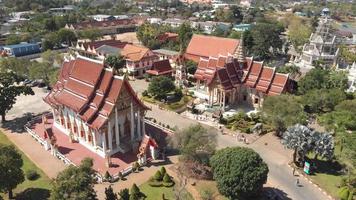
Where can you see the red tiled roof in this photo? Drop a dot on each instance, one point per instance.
(251, 74)
(278, 84)
(160, 67)
(135, 52)
(167, 37)
(91, 91)
(101, 24)
(201, 46)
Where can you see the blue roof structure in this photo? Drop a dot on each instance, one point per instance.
(22, 49)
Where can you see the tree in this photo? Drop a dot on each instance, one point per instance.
(124, 194)
(342, 118)
(292, 70)
(9, 90)
(318, 78)
(11, 173)
(42, 71)
(191, 66)
(50, 41)
(298, 33)
(239, 172)
(185, 33)
(148, 34)
(12, 39)
(91, 34)
(302, 140)
(75, 182)
(135, 193)
(283, 111)
(323, 145)
(194, 141)
(51, 57)
(322, 100)
(109, 194)
(18, 66)
(66, 36)
(116, 62)
(160, 86)
(266, 39)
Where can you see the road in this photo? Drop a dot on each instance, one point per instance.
(269, 148)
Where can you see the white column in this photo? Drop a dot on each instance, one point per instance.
(94, 138)
(86, 134)
(143, 127)
(117, 129)
(103, 142)
(139, 132)
(224, 96)
(132, 122)
(110, 136)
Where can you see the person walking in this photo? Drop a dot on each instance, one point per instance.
(297, 182)
(293, 171)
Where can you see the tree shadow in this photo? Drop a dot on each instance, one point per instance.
(17, 124)
(33, 194)
(270, 193)
(326, 167)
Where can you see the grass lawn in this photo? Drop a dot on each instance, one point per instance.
(30, 190)
(209, 185)
(155, 193)
(174, 106)
(327, 175)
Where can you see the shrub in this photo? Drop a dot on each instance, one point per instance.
(107, 176)
(206, 194)
(32, 175)
(158, 176)
(163, 171)
(167, 178)
(344, 193)
(145, 93)
(120, 175)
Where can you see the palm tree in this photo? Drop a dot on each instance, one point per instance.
(324, 145)
(299, 138)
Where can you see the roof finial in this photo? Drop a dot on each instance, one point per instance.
(240, 51)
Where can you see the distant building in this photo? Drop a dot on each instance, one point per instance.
(106, 27)
(154, 20)
(325, 12)
(62, 11)
(241, 27)
(22, 49)
(209, 27)
(161, 68)
(201, 46)
(101, 18)
(99, 49)
(167, 36)
(138, 59)
(245, 3)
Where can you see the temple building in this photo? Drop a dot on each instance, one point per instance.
(98, 109)
(322, 45)
(235, 79)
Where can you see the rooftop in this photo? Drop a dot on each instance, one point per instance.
(166, 52)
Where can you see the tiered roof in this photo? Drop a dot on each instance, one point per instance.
(201, 46)
(92, 96)
(161, 67)
(230, 73)
(91, 46)
(135, 52)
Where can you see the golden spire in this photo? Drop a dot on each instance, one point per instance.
(240, 51)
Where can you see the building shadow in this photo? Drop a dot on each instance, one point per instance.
(64, 150)
(271, 193)
(326, 167)
(33, 194)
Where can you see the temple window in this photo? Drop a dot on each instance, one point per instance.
(256, 100)
(245, 97)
